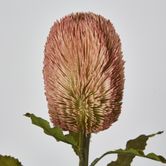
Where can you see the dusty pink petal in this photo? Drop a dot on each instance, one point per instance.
(83, 73)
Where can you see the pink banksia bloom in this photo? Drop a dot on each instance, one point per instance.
(83, 73)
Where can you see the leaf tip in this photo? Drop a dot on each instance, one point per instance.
(27, 114)
(160, 132)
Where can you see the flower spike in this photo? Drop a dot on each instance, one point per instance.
(83, 73)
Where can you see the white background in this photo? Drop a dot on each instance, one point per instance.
(24, 26)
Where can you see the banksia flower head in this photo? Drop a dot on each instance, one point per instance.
(83, 73)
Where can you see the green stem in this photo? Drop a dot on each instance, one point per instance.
(84, 140)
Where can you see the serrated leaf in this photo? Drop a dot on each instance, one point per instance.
(56, 132)
(75, 136)
(140, 142)
(129, 152)
(134, 148)
(9, 161)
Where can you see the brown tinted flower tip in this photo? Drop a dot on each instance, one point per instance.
(83, 73)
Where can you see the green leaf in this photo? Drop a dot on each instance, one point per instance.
(138, 143)
(129, 152)
(75, 136)
(134, 148)
(56, 132)
(9, 161)
(141, 141)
